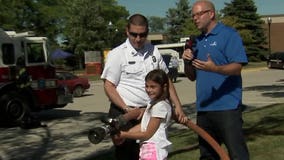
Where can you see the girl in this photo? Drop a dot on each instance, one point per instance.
(152, 131)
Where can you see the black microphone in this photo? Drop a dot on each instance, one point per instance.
(190, 44)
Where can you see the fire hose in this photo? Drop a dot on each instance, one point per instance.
(211, 141)
(97, 134)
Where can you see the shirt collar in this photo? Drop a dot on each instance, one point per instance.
(130, 48)
(134, 52)
(215, 30)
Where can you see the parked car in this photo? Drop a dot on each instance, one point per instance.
(276, 60)
(76, 85)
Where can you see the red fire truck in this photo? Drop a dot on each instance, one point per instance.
(42, 91)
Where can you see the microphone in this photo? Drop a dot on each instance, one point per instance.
(190, 44)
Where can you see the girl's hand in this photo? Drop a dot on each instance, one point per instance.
(142, 110)
(117, 140)
(179, 115)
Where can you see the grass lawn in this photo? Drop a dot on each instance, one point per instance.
(264, 130)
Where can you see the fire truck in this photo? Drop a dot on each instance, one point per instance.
(41, 91)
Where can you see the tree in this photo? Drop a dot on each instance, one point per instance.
(190, 28)
(157, 24)
(241, 14)
(41, 16)
(179, 21)
(49, 19)
(87, 25)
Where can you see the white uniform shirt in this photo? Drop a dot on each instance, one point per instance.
(162, 110)
(126, 69)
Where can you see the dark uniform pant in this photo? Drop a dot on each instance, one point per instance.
(225, 127)
(128, 150)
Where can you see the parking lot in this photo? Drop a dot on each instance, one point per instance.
(65, 136)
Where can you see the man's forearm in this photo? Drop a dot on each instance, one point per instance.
(173, 95)
(229, 69)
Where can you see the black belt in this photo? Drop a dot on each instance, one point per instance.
(137, 106)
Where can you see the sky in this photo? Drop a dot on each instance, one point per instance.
(160, 7)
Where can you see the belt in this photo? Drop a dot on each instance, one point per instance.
(137, 106)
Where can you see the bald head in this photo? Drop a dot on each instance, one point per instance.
(205, 3)
(203, 15)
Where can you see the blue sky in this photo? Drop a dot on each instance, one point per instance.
(159, 7)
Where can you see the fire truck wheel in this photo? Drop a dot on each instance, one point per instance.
(78, 91)
(15, 107)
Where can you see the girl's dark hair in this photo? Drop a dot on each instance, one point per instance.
(159, 76)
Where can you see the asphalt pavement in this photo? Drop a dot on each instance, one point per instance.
(65, 137)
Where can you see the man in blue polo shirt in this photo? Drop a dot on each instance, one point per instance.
(215, 63)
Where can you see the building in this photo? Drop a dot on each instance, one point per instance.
(276, 31)
(156, 38)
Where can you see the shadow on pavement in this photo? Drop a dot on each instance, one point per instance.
(269, 121)
(272, 91)
(65, 137)
(57, 114)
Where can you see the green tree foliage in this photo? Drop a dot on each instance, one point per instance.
(241, 14)
(190, 28)
(88, 28)
(40, 16)
(49, 19)
(157, 24)
(9, 13)
(179, 21)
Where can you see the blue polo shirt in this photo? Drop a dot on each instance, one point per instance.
(216, 91)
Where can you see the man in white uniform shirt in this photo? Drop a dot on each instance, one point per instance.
(124, 79)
